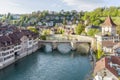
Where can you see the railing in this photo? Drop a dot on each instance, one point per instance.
(51, 41)
(70, 38)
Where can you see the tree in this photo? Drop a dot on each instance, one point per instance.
(46, 32)
(79, 28)
(100, 53)
(64, 21)
(118, 30)
(74, 20)
(92, 32)
(33, 29)
(60, 31)
(97, 22)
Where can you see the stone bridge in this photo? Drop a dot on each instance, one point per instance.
(64, 46)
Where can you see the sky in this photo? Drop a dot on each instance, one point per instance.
(28, 6)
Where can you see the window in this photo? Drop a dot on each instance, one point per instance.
(30, 42)
(0, 54)
(1, 60)
(11, 51)
(8, 57)
(19, 47)
(4, 54)
(15, 48)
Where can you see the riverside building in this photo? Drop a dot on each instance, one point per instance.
(108, 37)
(15, 44)
(108, 67)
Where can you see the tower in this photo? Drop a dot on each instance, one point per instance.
(109, 27)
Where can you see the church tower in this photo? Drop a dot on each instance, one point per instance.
(109, 27)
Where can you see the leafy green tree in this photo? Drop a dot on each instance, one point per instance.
(46, 32)
(43, 37)
(100, 53)
(79, 28)
(33, 29)
(92, 32)
(97, 22)
(86, 16)
(60, 31)
(113, 11)
(118, 30)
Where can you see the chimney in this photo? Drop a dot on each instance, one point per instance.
(111, 65)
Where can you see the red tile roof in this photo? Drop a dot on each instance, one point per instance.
(108, 43)
(5, 41)
(104, 64)
(108, 22)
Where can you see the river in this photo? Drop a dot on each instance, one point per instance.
(48, 66)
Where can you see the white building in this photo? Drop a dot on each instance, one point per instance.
(109, 27)
(16, 45)
(108, 37)
(6, 51)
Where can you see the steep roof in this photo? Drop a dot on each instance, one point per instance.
(108, 22)
(99, 65)
(5, 41)
(109, 44)
(104, 63)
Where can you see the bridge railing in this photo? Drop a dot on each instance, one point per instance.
(48, 41)
(70, 38)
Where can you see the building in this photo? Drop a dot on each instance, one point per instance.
(16, 45)
(107, 47)
(109, 27)
(108, 37)
(107, 68)
(116, 49)
(92, 27)
(49, 24)
(16, 16)
(6, 51)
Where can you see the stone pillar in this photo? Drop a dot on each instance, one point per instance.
(73, 45)
(54, 45)
(48, 47)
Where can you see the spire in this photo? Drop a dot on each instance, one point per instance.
(108, 22)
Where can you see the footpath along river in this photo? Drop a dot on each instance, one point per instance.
(48, 66)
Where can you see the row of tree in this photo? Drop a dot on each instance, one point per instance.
(92, 17)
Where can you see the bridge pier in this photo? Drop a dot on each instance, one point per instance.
(48, 48)
(73, 45)
(54, 45)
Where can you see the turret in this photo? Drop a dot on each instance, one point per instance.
(109, 27)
